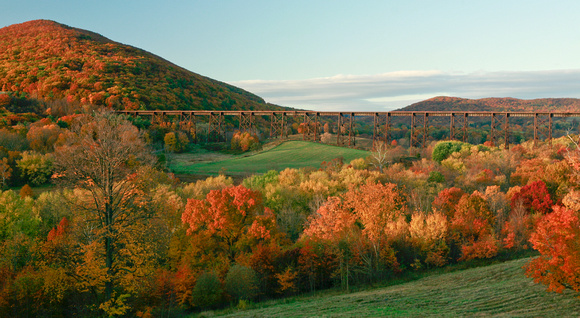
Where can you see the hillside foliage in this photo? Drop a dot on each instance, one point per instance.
(49, 61)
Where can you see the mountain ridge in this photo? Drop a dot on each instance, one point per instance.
(499, 104)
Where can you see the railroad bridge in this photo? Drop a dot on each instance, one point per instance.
(311, 122)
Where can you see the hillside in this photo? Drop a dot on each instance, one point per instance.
(495, 104)
(495, 290)
(49, 61)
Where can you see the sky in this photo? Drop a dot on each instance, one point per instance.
(339, 55)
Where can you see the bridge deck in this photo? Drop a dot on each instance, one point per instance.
(355, 113)
(345, 123)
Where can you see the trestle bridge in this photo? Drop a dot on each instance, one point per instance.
(311, 122)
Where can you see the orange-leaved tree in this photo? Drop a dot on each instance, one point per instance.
(227, 224)
(380, 209)
(472, 227)
(556, 237)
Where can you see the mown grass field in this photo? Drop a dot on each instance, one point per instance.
(291, 154)
(494, 290)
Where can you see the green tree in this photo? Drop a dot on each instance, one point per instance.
(444, 149)
(35, 168)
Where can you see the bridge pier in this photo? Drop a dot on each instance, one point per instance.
(496, 128)
(216, 131)
(278, 125)
(344, 129)
(380, 135)
(188, 122)
(454, 134)
(310, 127)
(542, 127)
(419, 130)
(246, 122)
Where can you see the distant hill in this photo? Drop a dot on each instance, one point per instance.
(49, 61)
(443, 103)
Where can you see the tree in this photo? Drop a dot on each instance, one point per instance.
(43, 138)
(35, 168)
(534, 197)
(5, 172)
(380, 156)
(444, 149)
(171, 142)
(100, 159)
(556, 238)
(472, 227)
(380, 209)
(331, 222)
(231, 221)
(447, 201)
(244, 141)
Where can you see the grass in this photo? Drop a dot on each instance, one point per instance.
(291, 154)
(494, 290)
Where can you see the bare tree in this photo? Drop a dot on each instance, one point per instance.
(380, 156)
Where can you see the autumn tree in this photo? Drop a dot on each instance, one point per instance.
(472, 227)
(428, 233)
(556, 238)
(380, 209)
(534, 197)
(227, 224)
(43, 137)
(5, 172)
(244, 141)
(99, 160)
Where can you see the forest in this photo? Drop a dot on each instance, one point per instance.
(93, 224)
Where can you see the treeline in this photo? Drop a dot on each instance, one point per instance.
(120, 237)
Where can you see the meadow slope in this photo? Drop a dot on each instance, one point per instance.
(495, 290)
(291, 154)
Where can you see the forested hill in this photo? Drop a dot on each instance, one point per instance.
(496, 104)
(50, 61)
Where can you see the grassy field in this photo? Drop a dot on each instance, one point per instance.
(291, 154)
(495, 290)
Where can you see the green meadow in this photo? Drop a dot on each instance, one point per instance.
(291, 154)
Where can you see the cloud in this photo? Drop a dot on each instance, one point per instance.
(388, 91)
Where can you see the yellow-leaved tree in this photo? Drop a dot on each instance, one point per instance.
(100, 159)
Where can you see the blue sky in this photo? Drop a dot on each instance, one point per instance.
(345, 55)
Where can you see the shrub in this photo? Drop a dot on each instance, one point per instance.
(207, 291)
(241, 283)
(26, 191)
(359, 164)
